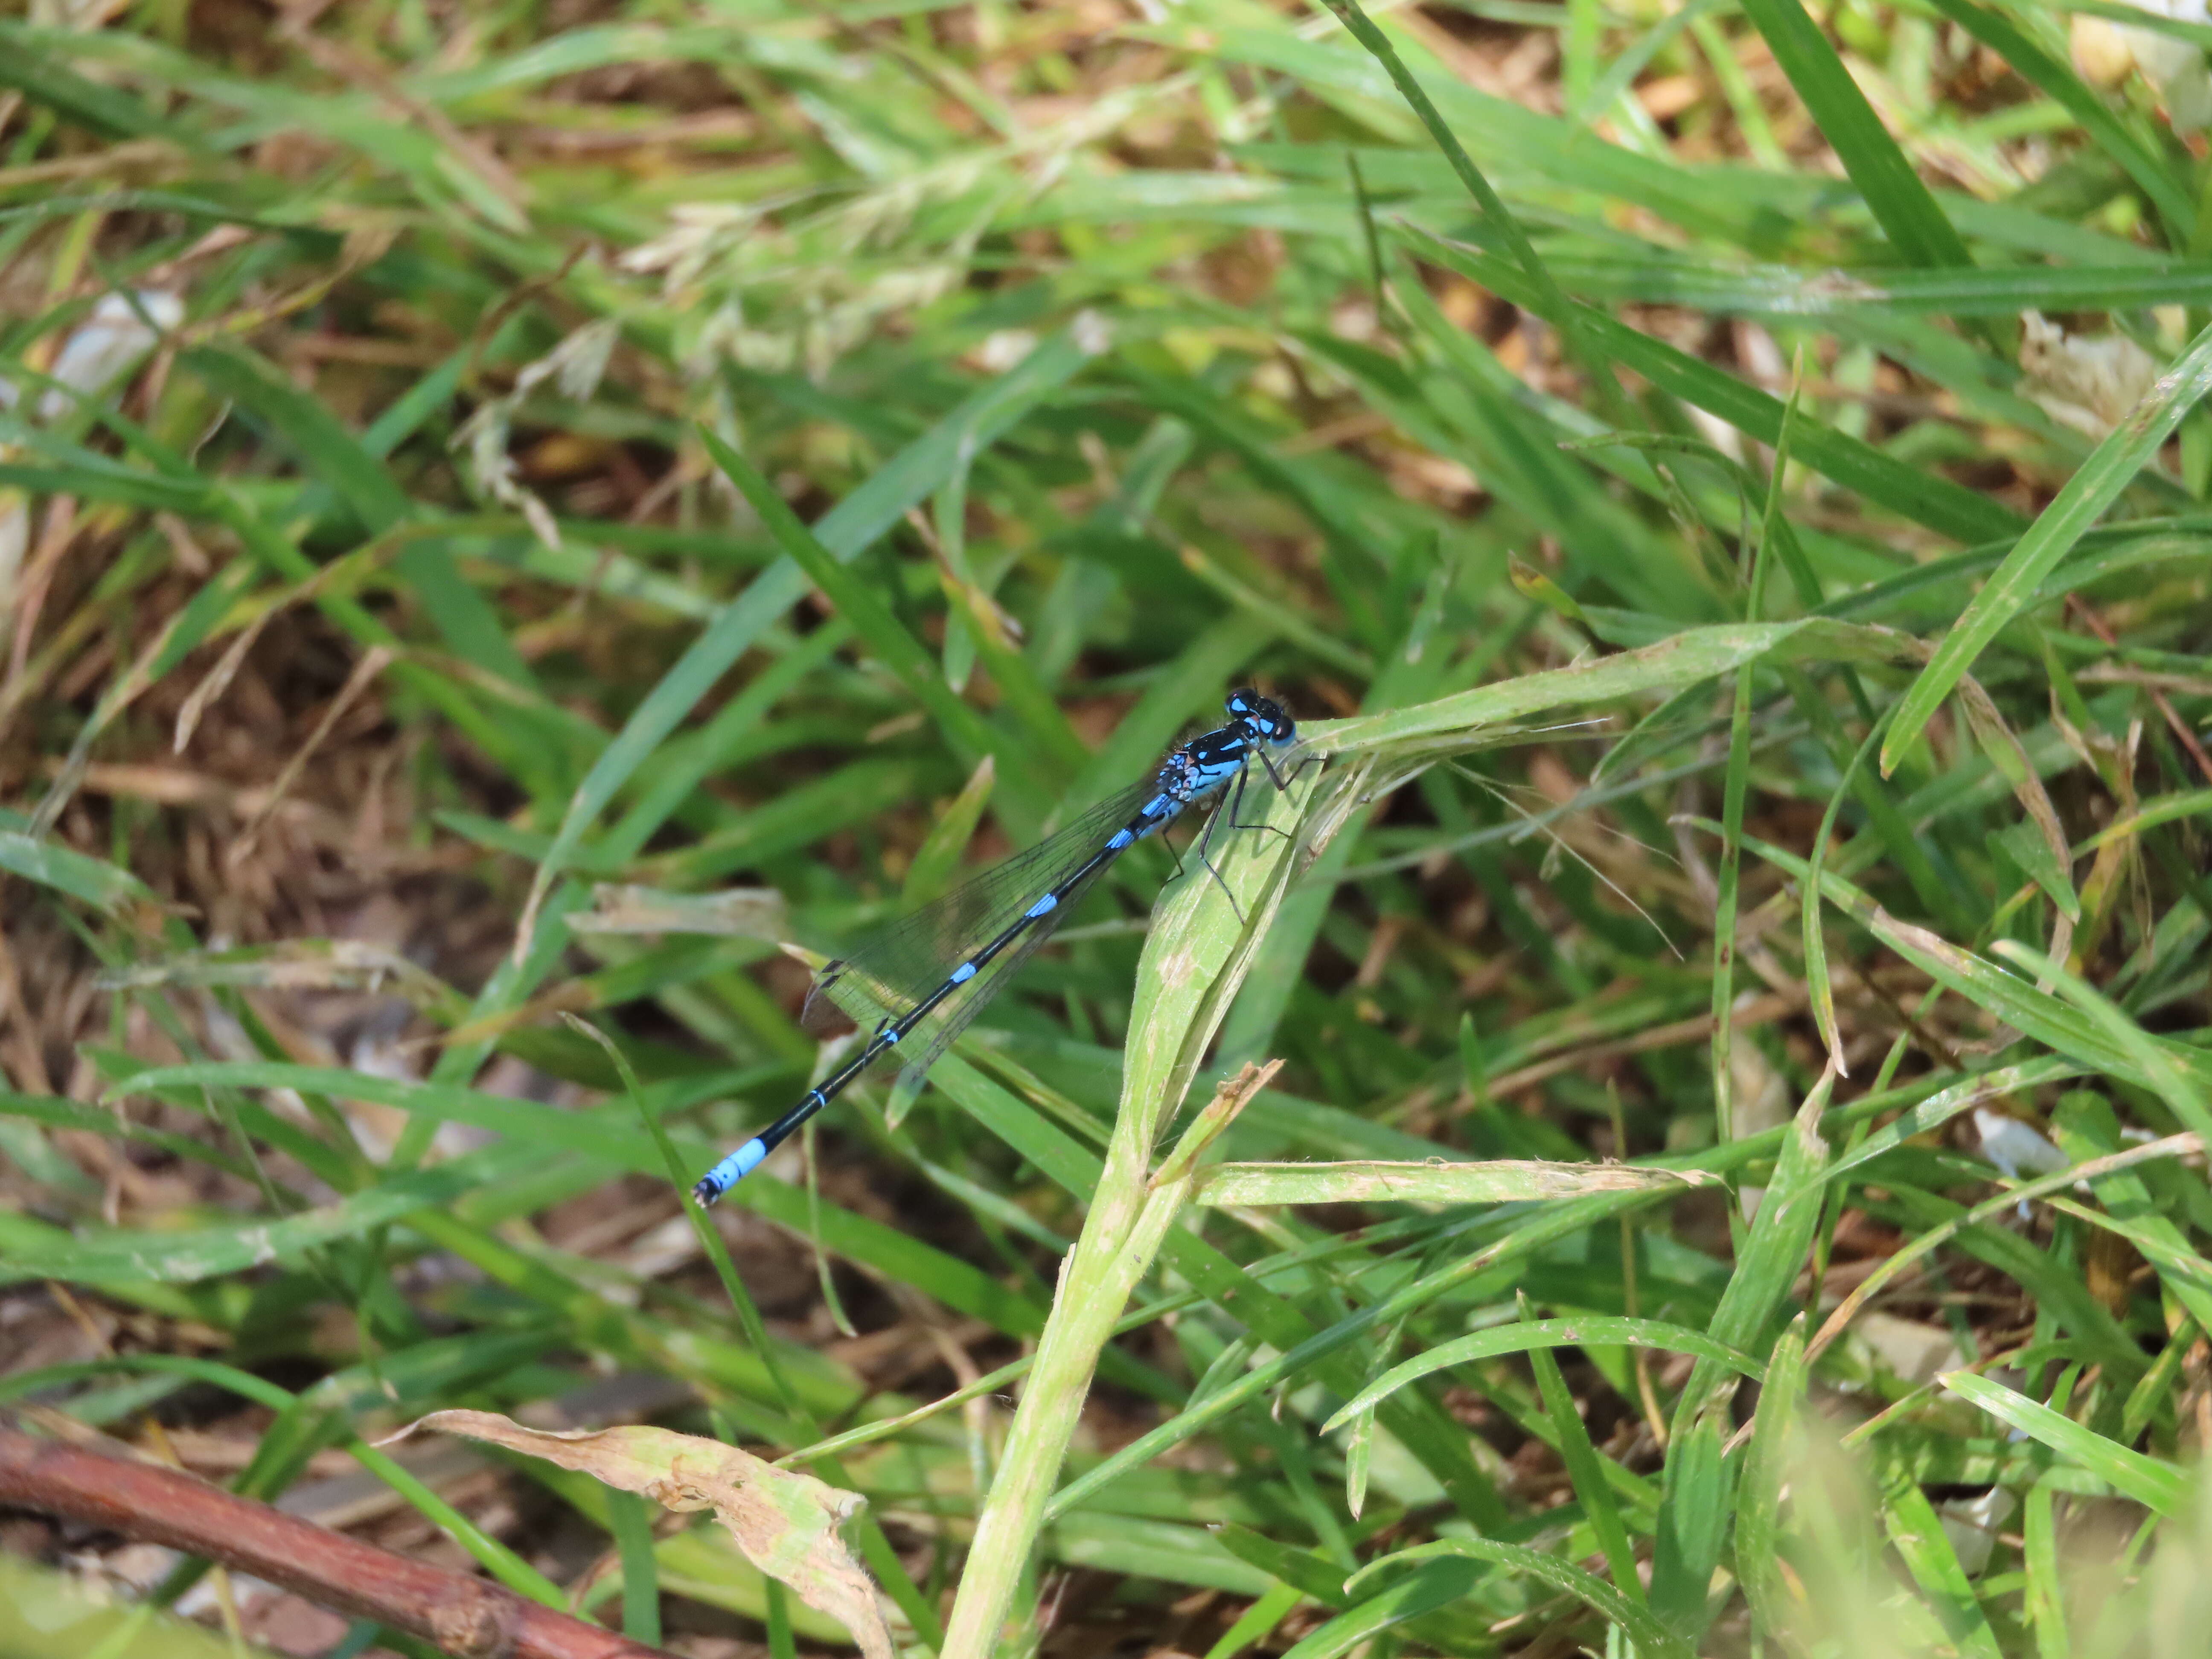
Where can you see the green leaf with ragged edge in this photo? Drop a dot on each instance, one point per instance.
(2133, 445)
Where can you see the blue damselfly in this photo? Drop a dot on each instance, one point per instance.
(922, 981)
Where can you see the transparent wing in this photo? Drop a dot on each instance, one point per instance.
(892, 973)
(957, 1012)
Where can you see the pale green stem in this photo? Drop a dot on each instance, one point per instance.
(1194, 961)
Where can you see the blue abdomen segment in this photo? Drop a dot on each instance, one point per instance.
(730, 1171)
(1160, 809)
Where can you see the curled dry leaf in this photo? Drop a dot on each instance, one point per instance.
(1435, 1181)
(306, 965)
(2091, 382)
(738, 912)
(786, 1524)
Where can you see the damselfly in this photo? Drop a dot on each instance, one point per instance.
(924, 978)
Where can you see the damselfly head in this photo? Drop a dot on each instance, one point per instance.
(1262, 719)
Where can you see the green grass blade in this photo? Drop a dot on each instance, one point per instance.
(1925, 498)
(2013, 589)
(1917, 1531)
(2057, 82)
(858, 604)
(92, 881)
(1907, 210)
(1646, 1632)
(2163, 1489)
(1495, 213)
(1765, 1480)
(904, 480)
(1578, 1330)
(1584, 1470)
